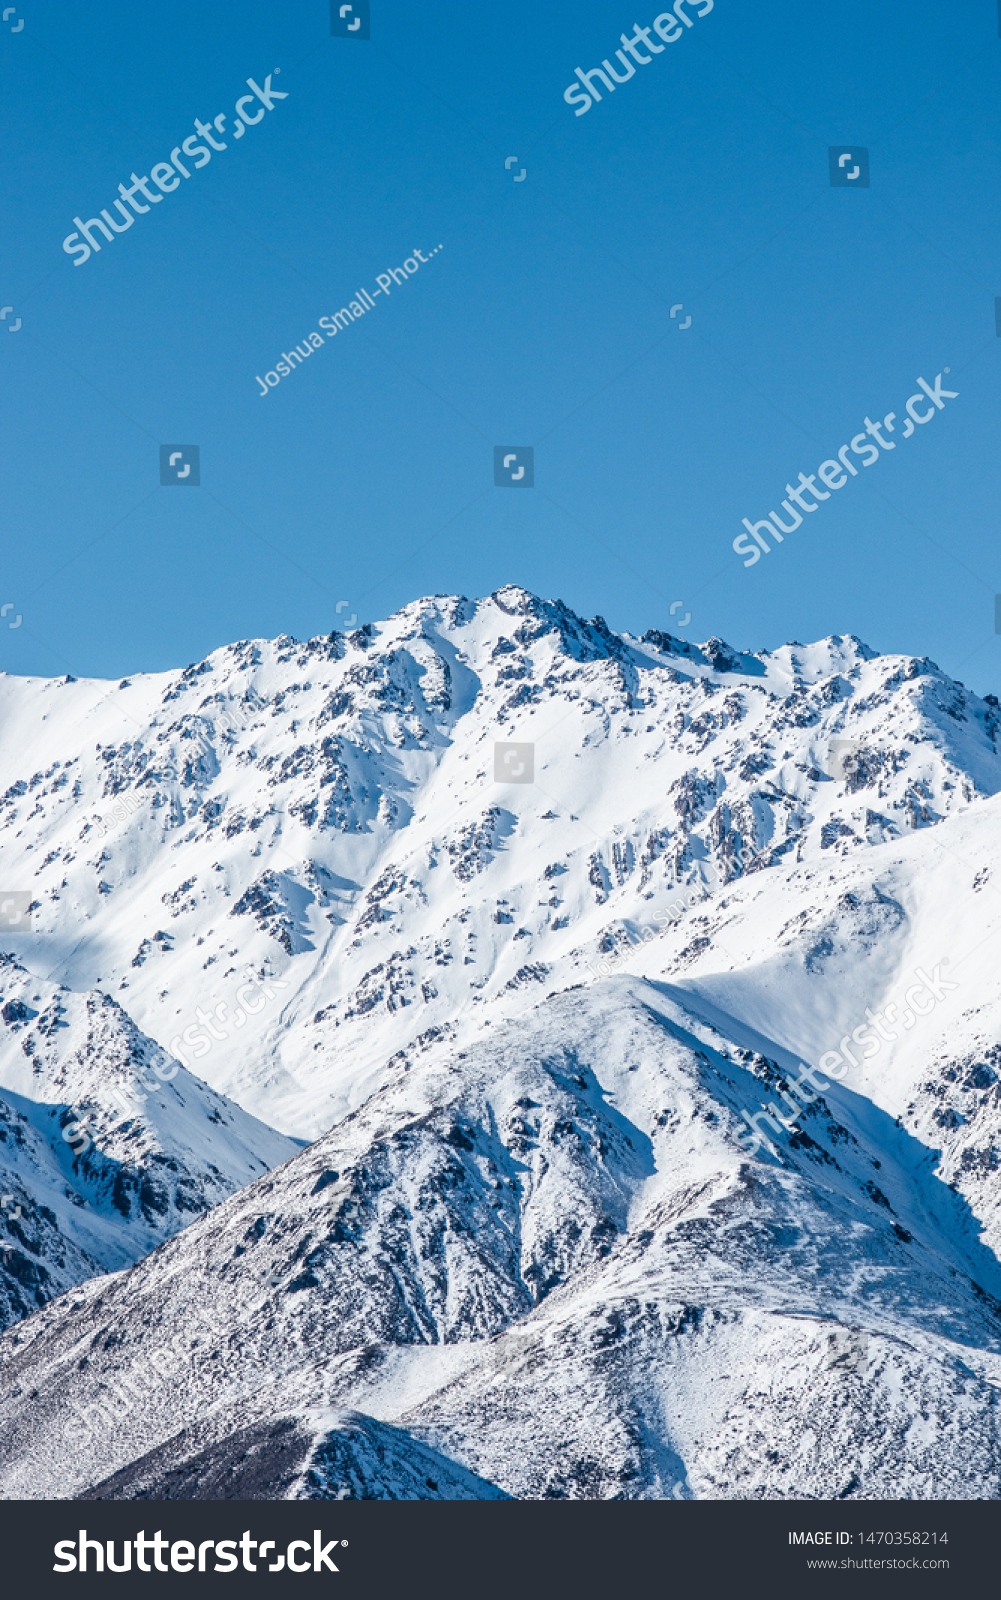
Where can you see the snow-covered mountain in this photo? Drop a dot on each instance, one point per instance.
(529, 1250)
(106, 1146)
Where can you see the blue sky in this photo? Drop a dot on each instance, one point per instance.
(544, 320)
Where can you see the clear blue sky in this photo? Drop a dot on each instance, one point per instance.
(367, 474)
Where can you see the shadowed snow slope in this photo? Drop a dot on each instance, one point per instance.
(106, 1148)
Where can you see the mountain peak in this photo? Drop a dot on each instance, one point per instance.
(512, 918)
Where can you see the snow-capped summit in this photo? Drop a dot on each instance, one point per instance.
(327, 813)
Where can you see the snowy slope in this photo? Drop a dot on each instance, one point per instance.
(292, 868)
(548, 1261)
(106, 1148)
